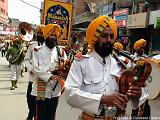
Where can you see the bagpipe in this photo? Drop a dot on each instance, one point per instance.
(137, 74)
(63, 69)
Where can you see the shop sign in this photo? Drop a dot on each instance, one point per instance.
(153, 17)
(107, 8)
(120, 16)
(125, 3)
(158, 23)
(7, 33)
(137, 21)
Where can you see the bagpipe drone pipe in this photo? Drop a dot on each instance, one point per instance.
(137, 74)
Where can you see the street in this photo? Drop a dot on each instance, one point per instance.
(13, 103)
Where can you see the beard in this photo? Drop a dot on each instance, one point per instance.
(40, 39)
(50, 43)
(103, 50)
(140, 52)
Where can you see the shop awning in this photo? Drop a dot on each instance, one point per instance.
(7, 33)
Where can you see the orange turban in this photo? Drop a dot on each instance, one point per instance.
(118, 46)
(140, 44)
(97, 26)
(39, 27)
(51, 29)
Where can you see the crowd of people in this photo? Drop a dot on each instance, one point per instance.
(90, 76)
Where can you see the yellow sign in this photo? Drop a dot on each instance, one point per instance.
(60, 13)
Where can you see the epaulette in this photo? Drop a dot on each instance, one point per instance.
(80, 56)
(36, 48)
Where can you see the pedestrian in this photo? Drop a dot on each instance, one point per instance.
(15, 57)
(3, 52)
(139, 47)
(91, 84)
(45, 88)
(144, 110)
(31, 101)
(119, 47)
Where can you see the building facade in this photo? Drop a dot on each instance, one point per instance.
(3, 14)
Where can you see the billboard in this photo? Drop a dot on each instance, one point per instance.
(120, 17)
(139, 20)
(60, 13)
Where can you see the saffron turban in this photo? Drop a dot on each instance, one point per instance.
(140, 44)
(39, 27)
(118, 46)
(51, 29)
(97, 26)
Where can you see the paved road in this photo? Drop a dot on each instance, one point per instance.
(13, 104)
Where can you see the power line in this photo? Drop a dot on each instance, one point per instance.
(30, 4)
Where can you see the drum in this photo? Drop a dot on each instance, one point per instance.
(153, 82)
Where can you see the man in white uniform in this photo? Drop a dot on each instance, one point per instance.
(144, 110)
(31, 78)
(44, 64)
(91, 85)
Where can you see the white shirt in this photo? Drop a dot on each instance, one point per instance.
(44, 62)
(89, 78)
(28, 60)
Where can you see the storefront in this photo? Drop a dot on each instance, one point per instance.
(154, 21)
(139, 29)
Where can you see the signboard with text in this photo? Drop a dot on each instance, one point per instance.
(158, 23)
(137, 21)
(120, 16)
(59, 13)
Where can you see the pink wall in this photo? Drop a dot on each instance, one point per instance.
(4, 5)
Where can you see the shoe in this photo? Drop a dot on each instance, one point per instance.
(16, 86)
(12, 88)
(13, 85)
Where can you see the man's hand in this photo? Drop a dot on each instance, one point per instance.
(134, 92)
(115, 100)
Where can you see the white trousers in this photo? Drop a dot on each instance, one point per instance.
(15, 71)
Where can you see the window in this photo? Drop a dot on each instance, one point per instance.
(3, 11)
